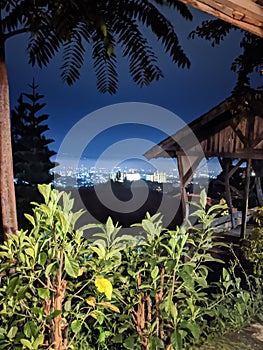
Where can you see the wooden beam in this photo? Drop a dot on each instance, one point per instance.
(238, 132)
(226, 166)
(255, 142)
(244, 14)
(245, 154)
(245, 209)
(189, 174)
(235, 167)
(182, 187)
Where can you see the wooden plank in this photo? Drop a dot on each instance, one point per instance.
(248, 7)
(247, 153)
(255, 29)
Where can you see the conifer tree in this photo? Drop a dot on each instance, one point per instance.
(31, 153)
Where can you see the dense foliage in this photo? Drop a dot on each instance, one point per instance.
(251, 58)
(149, 291)
(98, 27)
(253, 245)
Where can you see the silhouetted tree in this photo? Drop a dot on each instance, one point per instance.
(31, 154)
(249, 61)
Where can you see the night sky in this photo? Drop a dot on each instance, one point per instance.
(187, 93)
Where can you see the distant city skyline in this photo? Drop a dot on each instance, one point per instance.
(87, 174)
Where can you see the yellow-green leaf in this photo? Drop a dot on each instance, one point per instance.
(91, 301)
(110, 306)
(104, 286)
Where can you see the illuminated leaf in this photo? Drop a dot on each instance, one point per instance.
(104, 286)
(110, 306)
(91, 301)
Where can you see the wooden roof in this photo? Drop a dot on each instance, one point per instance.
(246, 14)
(222, 132)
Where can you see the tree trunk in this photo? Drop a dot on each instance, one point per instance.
(7, 189)
(58, 302)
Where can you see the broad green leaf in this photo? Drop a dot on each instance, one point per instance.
(156, 343)
(42, 258)
(193, 327)
(203, 199)
(26, 343)
(13, 283)
(67, 305)
(154, 272)
(30, 252)
(71, 266)
(38, 311)
(110, 226)
(27, 330)
(75, 326)
(99, 250)
(12, 332)
(50, 268)
(129, 343)
(2, 331)
(5, 254)
(38, 341)
(43, 293)
(176, 340)
(45, 190)
(31, 219)
(63, 222)
(148, 226)
(103, 335)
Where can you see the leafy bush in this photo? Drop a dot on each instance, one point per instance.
(59, 291)
(43, 275)
(167, 302)
(253, 245)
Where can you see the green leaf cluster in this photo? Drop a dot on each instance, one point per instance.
(38, 267)
(118, 291)
(253, 245)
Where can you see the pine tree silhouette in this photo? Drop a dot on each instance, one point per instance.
(31, 154)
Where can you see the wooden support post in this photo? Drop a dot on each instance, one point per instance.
(259, 190)
(226, 168)
(245, 208)
(182, 187)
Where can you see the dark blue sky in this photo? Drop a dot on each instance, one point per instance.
(187, 93)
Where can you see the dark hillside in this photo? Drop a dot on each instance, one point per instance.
(124, 205)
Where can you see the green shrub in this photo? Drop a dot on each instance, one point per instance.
(166, 301)
(59, 291)
(253, 245)
(43, 275)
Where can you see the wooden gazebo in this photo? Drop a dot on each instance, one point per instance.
(231, 130)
